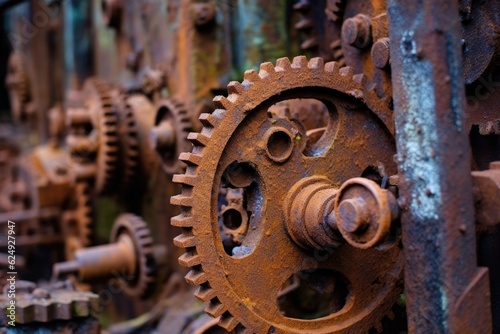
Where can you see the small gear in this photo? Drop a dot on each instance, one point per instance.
(93, 135)
(77, 220)
(338, 54)
(335, 9)
(169, 136)
(143, 283)
(271, 158)
(319, 32)
(129, 140)
(129, 258)
(43, 305)
(18, 84)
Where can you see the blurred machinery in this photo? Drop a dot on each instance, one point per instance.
(351, 190)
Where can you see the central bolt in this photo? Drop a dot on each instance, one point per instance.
(354, 215)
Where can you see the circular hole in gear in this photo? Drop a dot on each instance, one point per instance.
(232, 219)
(238, 175)
(279, 146)
(313, 294)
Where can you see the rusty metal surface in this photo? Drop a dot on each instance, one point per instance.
(291, 196)
(58, 302)
(270, 153)
(435, 184)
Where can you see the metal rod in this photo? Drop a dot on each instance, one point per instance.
(441, 275)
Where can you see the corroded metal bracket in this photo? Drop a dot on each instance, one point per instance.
(433, 161)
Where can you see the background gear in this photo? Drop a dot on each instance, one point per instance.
(172, 125)
(93, 138)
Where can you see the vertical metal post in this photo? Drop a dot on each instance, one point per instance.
(445, 290)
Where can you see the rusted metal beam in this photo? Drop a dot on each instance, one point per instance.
(446, 291)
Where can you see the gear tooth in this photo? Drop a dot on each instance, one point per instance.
(64, 309)
(335, 10)
(338, 54)
(228, 321)
(221, 102)
(196, 277)
(235, 87)
(316, 63)
(332, 67)
(303, 24)
(357, 93)
(204, 293)
(302, 5)
(309, 43)
(372, 87)
(346, 71)
(359, 78)
(484, 129)
(182, 221)
(189, 259)
(335, 44)
(283, 63)
(189, 180)
(190, 159)
(266, 69)
(181, 200)
(208, 120)
(198, 139)
(299, 62)
(185, 241)
(251, 76)
(215, 308)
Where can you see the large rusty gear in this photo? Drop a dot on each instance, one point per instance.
(272, 157)
(102, 138)
(18, 84)
(172, 126)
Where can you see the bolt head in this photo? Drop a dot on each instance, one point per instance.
(353, 215)
(356, 31)
(381, 53)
